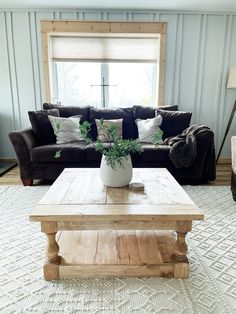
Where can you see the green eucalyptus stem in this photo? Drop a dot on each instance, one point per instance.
(116, 149)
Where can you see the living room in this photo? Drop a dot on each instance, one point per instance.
(76, 156)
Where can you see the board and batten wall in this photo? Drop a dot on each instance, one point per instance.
(200, 49)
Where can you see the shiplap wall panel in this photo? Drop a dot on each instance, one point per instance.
(38, 48)
(91, 15)
(222, 90)
(23, 66)
(35, 60)
(68, 16)
(189, 63)
(6, 106)
(117, 16)
(171, 37)
(200, 49)
(144, 17)
(178, 57)
(14, 105)
(228, 101)
(212, 62)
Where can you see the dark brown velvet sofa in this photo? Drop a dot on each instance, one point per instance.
(36, 158)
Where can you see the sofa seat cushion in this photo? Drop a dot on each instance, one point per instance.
(126, 114)
(152, 153)
(71, 152)
(91, 154)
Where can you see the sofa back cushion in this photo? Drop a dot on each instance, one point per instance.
(42, 126)
(69, 111)
(114, 113)
(141, 112)
(173, 122)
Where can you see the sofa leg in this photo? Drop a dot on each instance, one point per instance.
(27, 182)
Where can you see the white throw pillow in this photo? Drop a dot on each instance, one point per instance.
(147, 128)
(66, 130)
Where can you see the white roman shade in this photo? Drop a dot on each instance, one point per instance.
(105, 49)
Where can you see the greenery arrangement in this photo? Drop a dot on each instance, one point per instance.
(115, 150)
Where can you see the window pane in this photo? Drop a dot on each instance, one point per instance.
(134, 84)
(77, 84)
(126, 84)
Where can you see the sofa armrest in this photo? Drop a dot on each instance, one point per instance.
(23, 141)
(205, 162)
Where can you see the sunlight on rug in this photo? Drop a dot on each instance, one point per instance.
(210, 288)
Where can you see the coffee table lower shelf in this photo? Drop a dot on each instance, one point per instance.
(93, 254)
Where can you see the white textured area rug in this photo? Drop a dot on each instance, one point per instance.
(210, 288)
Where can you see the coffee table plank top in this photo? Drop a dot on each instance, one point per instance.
(84, 186)
(78, 194)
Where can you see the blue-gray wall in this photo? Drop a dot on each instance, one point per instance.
(200, 49)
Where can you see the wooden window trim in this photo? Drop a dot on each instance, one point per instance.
(54, 26)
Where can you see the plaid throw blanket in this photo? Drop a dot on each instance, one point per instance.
(183, 149)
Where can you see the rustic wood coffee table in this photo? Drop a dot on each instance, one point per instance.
(96, 231)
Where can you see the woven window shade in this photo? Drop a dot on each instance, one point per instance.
(105, 49)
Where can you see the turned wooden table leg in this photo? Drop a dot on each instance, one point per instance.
(180, 248)
(181, 265)
(51, 267)
(52, 248)
(179, 257)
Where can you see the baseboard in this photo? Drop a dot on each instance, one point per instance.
(224, 161)
(8, 159)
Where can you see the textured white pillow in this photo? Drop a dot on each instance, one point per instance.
(147, 128)
(66, 130)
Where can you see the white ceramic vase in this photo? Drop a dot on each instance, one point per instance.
(119, 177)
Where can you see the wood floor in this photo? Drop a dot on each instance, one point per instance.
(223, 173)
(12, 177)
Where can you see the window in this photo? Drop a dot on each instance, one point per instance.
(104, 84)
(104, 69)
